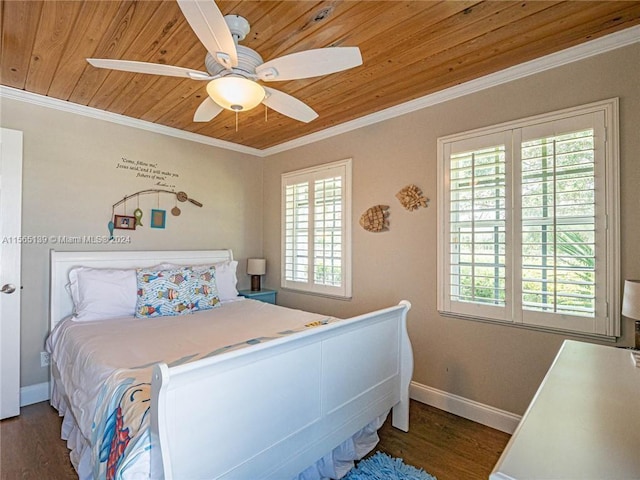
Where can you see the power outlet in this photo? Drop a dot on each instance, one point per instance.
(44, 359)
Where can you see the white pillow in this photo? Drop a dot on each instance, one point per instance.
(101, 293)
(226, 279)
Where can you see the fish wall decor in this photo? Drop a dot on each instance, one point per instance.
(375, 219)
(411, 198)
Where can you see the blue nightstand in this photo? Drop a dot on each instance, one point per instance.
(263, 295)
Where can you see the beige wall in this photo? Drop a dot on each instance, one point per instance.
(70, 182)
(496, 365)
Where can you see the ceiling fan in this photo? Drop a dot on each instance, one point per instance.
(233, 70)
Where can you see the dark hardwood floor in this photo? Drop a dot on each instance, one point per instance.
(31, 448)
(447, 446)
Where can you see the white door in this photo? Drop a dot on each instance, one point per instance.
(10, 230)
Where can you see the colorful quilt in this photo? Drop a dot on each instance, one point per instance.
(120, 430)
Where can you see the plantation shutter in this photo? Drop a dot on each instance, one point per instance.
(561, 231)
(477, 225)
(316, 229)
(297, 231)
(327, 232)
(528, 222)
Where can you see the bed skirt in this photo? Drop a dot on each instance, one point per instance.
(333, 465)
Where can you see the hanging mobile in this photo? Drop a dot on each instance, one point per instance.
(175, 211)
(111, 225)
(138, 214)
(158, 217)
(125, 222)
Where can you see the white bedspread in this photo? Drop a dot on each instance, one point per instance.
(87, 353)
(88, 357)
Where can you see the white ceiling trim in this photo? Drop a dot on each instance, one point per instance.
(56, 104)
(554, 60)
(573, 54)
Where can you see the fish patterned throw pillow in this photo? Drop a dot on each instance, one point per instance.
(164, 292)
(204, 294)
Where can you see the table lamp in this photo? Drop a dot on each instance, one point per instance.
(631, 305)
(255, 268)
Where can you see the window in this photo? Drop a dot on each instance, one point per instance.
(528, 222)
(316, 229)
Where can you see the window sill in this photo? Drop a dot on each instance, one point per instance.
(524, 326)
(316, 294)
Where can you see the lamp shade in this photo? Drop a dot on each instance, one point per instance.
(256, 266)
(235, 93)
(631, 299)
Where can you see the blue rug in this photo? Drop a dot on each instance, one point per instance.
(383, 467)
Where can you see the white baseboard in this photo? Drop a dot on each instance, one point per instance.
(463, 407)
(34, 394)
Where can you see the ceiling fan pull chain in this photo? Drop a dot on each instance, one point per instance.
(236, 120)
(266, 109)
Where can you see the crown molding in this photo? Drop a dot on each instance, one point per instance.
(585, 50)
(554, 60)
(57, 104)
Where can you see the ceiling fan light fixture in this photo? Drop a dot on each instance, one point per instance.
(235, 93)
(233, 70)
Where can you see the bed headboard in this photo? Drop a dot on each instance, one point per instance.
(60, 303)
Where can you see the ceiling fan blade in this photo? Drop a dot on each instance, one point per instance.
(287, 105)
(151, 68)
(207, 111)
(207, 22)
(309, 63)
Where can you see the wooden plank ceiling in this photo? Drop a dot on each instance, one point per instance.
(409, 49)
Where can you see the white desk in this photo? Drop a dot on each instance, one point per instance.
(583, 423)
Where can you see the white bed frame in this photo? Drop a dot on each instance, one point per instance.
(272, 409)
